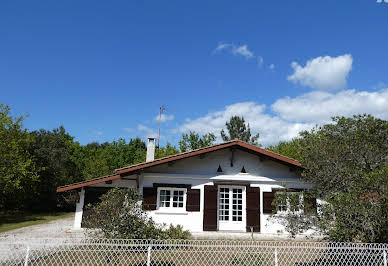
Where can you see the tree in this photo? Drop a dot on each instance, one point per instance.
(291, 149)
(52, 151)
(18, 171)
(238, 129)
(168, 150)
(347, 161)
(120, 215)
(193, 141)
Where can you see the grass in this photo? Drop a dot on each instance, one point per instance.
(10, 221)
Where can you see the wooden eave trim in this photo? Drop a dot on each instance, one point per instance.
(87, 183)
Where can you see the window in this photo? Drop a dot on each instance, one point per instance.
(289, 202)
(171, 198)
(282, 205)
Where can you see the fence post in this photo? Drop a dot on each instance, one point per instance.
(27, 255)
(385, 258)
(276, 257)
(149, 255)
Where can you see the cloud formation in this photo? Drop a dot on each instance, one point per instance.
(323, 73)
(148, 132)
(242, 50)
(164, 118)
(318, 106)
(292, 115)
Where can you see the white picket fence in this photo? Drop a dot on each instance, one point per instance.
(74, 251)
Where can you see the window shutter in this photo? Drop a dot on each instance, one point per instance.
(210, 209)
(193, 200)
(310, 205)
(149, 198)
(253, 209)
(268, 198)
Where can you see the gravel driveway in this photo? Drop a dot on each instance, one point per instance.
(60, 228)
(13, 243)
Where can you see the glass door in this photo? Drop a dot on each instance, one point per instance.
(231, 208)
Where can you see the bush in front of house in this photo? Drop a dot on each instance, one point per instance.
(120, 215)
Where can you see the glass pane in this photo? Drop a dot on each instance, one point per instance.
(223, 213)
(177, 199)
(237, 204)
(164, 200)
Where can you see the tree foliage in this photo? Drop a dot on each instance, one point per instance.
(33, 164)
(237, 128)
(120, 215)
(18, 172)
(52, 152)
(192, 141)
(347, 161)
(291, 149)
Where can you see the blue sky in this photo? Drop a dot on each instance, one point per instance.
(103, 68)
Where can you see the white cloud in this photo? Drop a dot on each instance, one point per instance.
(318, 106)
(260, 61)
(128, 129)
(148, 132)
(323, 73)
(271, 128)
(242, 50)
(272, 66)
(164, 118)
(292, 115)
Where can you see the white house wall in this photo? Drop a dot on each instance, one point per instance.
(197, 172)
(211, 161)
(192, 221)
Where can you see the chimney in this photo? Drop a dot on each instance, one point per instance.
(150, 150)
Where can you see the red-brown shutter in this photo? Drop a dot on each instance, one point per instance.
(253, 209)
(268, 198)
(210, 209)
(149, 198)
(193, 200)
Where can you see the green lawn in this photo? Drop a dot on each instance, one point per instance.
(10, 221)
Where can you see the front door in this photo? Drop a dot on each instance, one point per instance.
(231, 208)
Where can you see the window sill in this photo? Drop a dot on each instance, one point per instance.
(171, 212)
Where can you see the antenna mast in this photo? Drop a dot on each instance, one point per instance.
(161, 109)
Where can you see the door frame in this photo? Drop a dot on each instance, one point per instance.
(233, 226)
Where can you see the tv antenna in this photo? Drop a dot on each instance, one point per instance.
(161, 109)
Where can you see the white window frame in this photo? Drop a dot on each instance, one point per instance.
(288, 208)
(171, 208)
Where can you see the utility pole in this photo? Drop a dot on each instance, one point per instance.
(161, 109)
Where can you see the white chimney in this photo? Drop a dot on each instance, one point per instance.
(150, 149)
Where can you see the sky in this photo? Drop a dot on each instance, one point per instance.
(102, 69)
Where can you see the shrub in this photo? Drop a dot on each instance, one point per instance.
(120, 215)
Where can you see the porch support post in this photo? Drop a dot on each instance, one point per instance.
(79, 210)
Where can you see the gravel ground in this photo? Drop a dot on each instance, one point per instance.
(60, 228)
(12, 245)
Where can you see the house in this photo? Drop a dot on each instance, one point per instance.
(224, 187)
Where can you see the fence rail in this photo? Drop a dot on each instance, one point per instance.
(75, 251)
